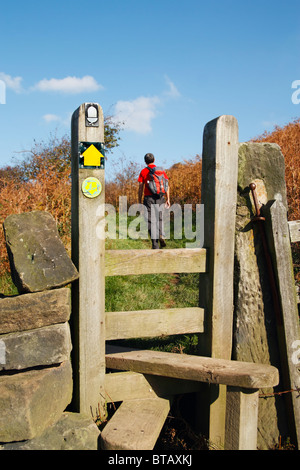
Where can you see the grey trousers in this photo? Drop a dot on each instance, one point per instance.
(155, 218)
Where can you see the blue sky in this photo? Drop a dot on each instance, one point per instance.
(165, 67)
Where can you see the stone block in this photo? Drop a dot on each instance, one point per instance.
(37, 256)
(30, 311)
(33, 400)
(42, 346)
(263, 162)
(254, 326)
(73, 431)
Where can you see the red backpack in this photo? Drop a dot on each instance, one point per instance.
(157, 182)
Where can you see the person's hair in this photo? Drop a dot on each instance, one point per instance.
(149, 158)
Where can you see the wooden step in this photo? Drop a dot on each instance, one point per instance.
(135, 425)
(203, 369)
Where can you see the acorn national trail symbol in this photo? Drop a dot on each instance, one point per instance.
(91, 187)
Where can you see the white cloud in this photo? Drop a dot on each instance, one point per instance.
(173, 91)
(51, 117)
(69, 84)
(14, 83)
(138, 114)
(60, 120)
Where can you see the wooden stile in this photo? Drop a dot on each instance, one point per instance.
(150, 378)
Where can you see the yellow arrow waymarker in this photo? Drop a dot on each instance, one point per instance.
(92, 156)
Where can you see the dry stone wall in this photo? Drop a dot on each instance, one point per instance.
(35, 342)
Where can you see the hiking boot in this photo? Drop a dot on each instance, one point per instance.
(162, 242)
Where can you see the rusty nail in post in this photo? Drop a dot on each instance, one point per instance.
(252, 186)
(273, 285)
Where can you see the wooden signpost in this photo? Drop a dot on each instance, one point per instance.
(88, 250)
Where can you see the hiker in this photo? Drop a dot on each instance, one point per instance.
(153, 184)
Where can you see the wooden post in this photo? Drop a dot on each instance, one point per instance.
(219, 196)
(241, 419)
(288, 329)
(294, 229)
(88, 251)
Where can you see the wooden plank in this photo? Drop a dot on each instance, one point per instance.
(123, 386)
(151, 323)
(219, 195)
(135, 425)
(198, 368)
(88, 294)
(288, 329)
(294, 229)
(128, 262)
(241, 419)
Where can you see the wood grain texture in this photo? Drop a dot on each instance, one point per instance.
(128, 262)
(294, 228)
(219, 196)
(136, 425)
(122, 386)
(88, 293)
(277, 228)
(203, 369)
(151, 323)
(241, 419)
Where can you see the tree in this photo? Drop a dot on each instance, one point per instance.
(55, 154)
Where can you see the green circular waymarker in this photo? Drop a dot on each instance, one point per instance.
(91, 187)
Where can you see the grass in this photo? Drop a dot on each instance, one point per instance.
(152, 291)
(7, 287)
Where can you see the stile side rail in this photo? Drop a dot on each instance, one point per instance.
(145, 261)
(152, 323)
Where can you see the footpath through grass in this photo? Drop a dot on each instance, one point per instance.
(153, 291)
